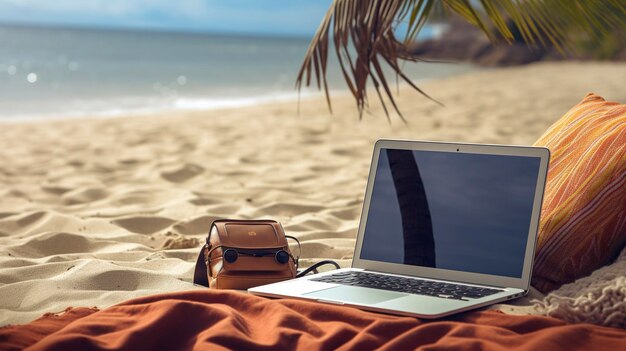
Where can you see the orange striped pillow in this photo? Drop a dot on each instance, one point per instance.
(583, 219)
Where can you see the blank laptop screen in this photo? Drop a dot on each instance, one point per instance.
(457, 211)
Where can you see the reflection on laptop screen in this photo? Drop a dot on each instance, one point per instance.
(457, 211)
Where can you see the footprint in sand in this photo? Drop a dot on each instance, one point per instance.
(143, 224)
(179, 243)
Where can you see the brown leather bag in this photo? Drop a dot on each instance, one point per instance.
(240, 254)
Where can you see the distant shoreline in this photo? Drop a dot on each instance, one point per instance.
(200, 104)
(180, 105)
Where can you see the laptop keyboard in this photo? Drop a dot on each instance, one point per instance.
(407, 285)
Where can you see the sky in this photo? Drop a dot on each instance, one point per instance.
(299, 18)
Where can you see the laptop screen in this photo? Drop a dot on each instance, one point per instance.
(457, 211)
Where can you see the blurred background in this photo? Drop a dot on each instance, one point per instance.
(111, 57)
(114, 57)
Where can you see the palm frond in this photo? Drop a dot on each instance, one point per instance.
(363, 33)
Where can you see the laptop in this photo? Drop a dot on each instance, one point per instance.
(445, 228)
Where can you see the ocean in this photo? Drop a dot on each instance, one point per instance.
(67, 72)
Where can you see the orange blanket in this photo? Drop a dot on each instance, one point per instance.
(214, 320)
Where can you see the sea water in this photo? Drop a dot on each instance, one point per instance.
(64, 72)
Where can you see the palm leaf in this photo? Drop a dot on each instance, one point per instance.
(363, 33)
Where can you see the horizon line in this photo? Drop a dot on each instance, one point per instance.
(148, 30)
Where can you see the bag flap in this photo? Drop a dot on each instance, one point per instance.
(250, 235)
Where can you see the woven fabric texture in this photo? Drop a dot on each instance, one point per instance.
(583, 218)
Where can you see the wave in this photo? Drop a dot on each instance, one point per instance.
(149, 105)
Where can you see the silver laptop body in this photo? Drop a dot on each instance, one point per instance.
(445, 228)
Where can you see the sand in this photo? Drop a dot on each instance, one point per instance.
(97, 211)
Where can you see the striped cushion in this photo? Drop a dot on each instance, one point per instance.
(583, 219)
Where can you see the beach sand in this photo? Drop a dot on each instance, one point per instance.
(97, 211)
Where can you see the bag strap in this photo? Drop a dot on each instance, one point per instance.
(314, 267)
(200, 274)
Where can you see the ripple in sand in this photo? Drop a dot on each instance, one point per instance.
(130, 161)
(56, 189)
(57, 243)
(29, 268)
(347, 213)
(143, 224)
(312, 249)
(12, 224)
(344, 234)
(311, 224)
(346, 152)
(7, 214)
(195, 226)
(204, 201)
(85, 195)
(125, 280)
(323, 169)
(288, 209)
(183, 173)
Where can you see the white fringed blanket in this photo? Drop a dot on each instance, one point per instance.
(599, 298)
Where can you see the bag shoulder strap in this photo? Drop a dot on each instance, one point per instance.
(200, 274)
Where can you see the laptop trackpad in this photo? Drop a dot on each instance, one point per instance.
(355, 295)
